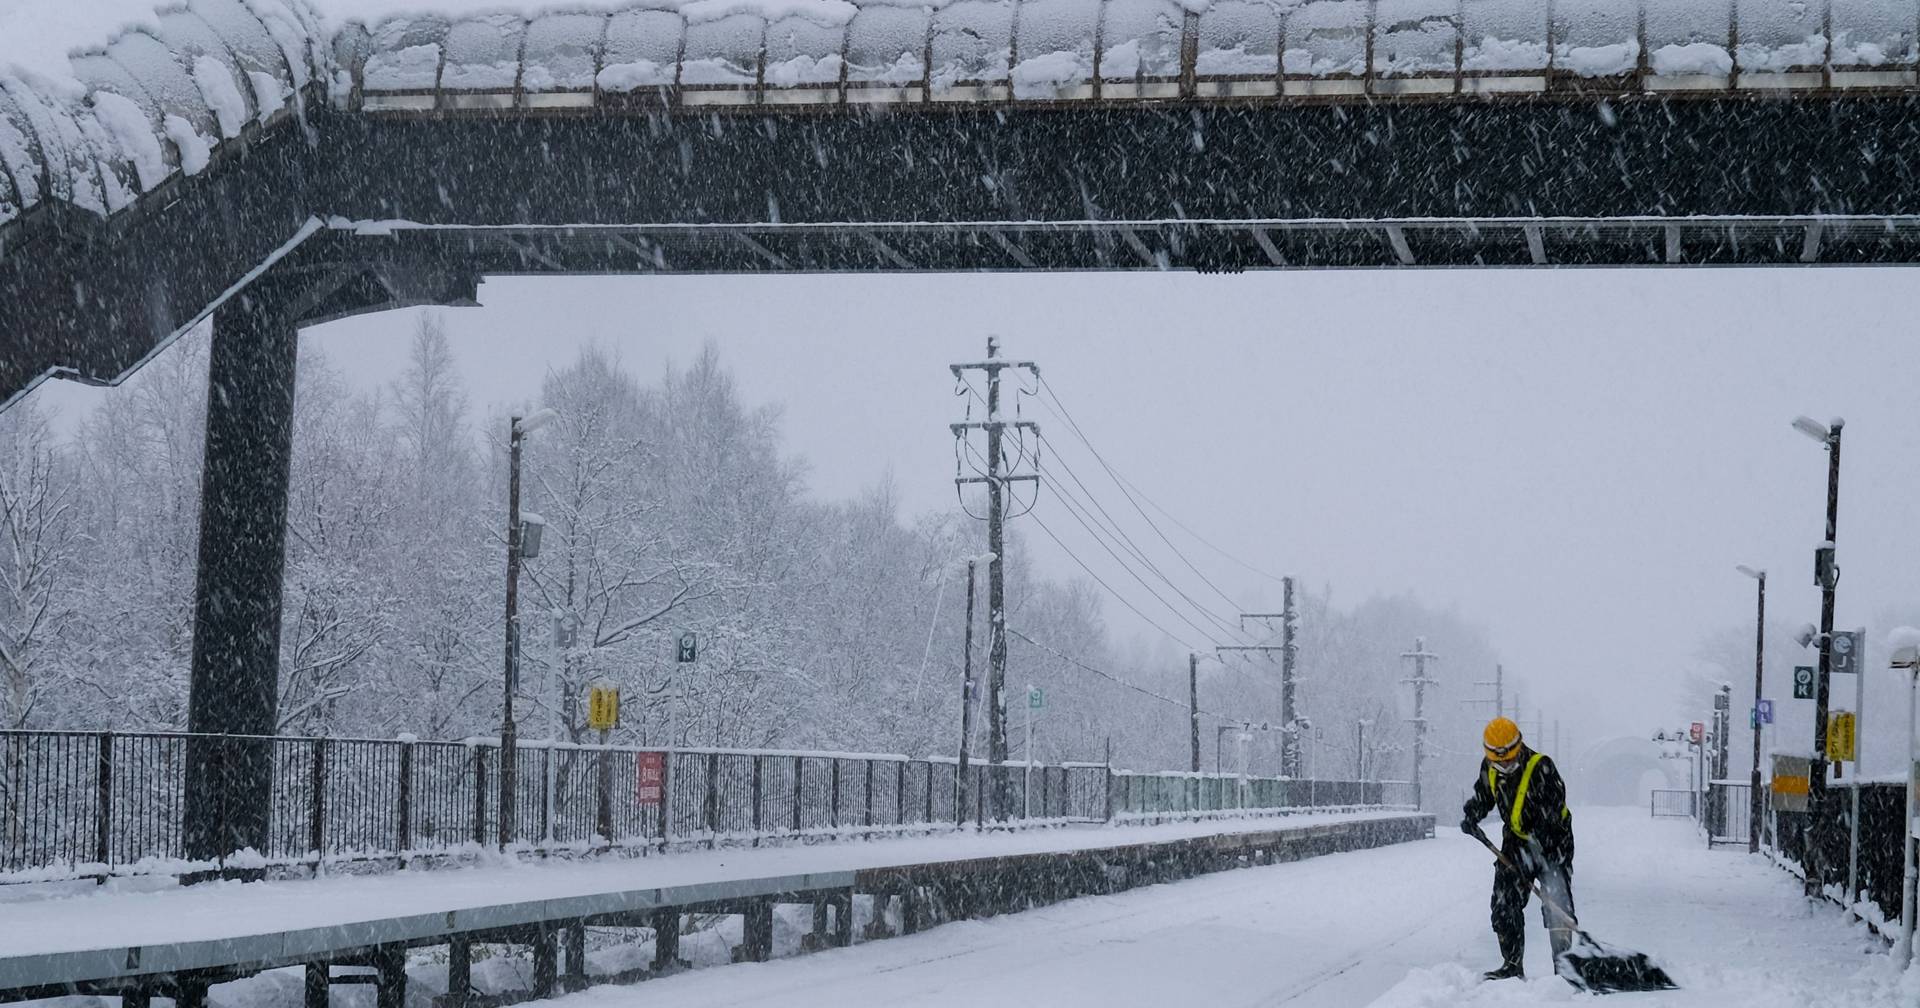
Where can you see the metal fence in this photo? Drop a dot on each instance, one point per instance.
(1675, 802)
(1729, 813)
(91, 804)
(1882, 811)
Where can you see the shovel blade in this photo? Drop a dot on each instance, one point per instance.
(1591, 966)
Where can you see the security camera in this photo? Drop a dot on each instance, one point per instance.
(1804, 636)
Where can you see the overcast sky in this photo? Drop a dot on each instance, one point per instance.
(1575, 459)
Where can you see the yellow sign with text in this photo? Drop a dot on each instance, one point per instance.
(603, 708)
(1840, 738)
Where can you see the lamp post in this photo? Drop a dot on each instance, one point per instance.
(1827, 576)
(1759, 664)
(517, 430)
(1904, 644)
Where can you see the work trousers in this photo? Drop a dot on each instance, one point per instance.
(1512, 887)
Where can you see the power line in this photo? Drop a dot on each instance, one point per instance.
(1072, 507)
(1083, 509)
(1120, 536)
(1202, 540)
(1116, 679)
(1102, 583)
(1074, 425)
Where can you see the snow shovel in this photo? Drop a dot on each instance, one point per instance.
(1586, 963)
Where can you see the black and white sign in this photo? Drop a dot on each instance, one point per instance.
(1803, 682)
(1846, 651)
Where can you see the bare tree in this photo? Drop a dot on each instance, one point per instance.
(39, 540)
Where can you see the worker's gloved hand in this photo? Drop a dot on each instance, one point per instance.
(1469, 827)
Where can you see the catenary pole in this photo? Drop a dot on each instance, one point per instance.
(1290, 739)
(1420, 682)
(1193, 709)
(997, 479)
(996, 596)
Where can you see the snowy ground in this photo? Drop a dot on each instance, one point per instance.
(1395, 927)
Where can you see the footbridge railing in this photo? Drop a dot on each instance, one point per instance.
(94, 804)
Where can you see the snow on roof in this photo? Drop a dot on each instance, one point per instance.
(101, 100)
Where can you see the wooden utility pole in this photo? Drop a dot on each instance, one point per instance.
(996, 480)
(1420, 681)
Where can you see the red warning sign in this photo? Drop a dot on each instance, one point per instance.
(652, 784)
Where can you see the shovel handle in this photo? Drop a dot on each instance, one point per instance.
(1481, 836)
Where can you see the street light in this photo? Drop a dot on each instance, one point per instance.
(1904, 644)
(1754, 813)
(1812, 428)
(1827, 576)
(521, 542)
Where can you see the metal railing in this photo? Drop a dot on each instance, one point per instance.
(93, 804)
(1674, 802)
(1729, 814)
(1882, 811)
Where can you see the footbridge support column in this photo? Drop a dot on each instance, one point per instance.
(233, 703)
(235, 686)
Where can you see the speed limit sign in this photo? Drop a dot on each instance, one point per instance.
(1803, 682)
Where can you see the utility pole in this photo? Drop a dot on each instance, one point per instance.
(1420, 681)
(1290, 740)
(1498, 682)
(1360, 750)
(966, 704)
(996, 480)
(1193, 710)
(1289, 728)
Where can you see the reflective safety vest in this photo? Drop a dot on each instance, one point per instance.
(1520, 796)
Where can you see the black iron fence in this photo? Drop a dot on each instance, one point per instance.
(92, 804)
(1883, 808)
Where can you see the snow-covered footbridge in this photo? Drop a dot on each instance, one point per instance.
(168, 159)
(271, 163)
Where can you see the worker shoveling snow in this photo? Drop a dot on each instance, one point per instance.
(1536, 856)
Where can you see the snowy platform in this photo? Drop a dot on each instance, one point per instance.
(1403, 926)
(112, 940)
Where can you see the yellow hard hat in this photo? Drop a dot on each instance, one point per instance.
(1502, 739)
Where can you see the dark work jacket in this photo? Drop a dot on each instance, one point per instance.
(1543, 816)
